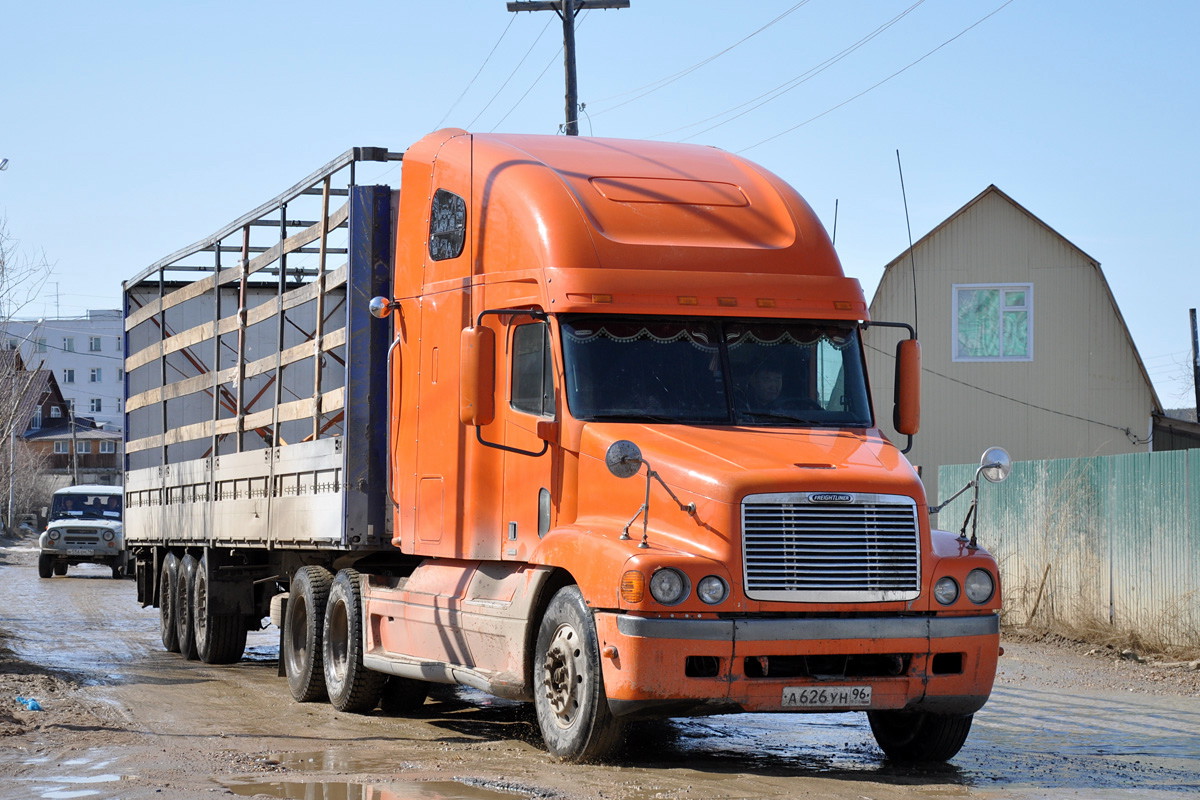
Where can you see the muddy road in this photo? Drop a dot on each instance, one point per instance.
(121, 718)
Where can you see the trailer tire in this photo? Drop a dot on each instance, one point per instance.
(168, 575)
(46, 566)
(919, 736)
(351, 686)
(220, 638)
(568, 690)
(185, 629)
(302, 633)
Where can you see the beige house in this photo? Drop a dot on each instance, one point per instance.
(1023, 345)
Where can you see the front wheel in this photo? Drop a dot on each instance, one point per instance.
(46, 566)
(302, 629)
(568, 693)
(351, 686)
(916, 736)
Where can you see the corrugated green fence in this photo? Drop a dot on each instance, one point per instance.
(1112, 540)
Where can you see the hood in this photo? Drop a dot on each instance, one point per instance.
(726, 463)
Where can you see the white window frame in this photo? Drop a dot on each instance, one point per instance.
(1027, 288)
(93, 344)
(107, 447)
(96, 406)
(95, 375)
(62, 448)
(56, 412)
(83, 447)
(68, 344)
(68, 375)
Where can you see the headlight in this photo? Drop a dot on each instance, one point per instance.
(712, 590)
(668, 586)
(54, 535)
(945, 591)
(979, 586)
(108, 536)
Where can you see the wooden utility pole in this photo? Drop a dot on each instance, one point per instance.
(1195, 363)
(567, 9)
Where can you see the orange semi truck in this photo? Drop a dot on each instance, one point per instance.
(608, 448)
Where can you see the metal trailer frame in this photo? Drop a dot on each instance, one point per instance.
(254, 413)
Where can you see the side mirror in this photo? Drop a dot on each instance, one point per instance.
(995, 465)
(477, 376)
(906, 415)
(623, 459)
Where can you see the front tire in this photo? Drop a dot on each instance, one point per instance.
(220, 638)
(351, 686)
(568, 693)
(168, 576)
(917, 736)
(303, 627)
(185, 629)
(46, 566)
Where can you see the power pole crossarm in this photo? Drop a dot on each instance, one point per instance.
(567, 10)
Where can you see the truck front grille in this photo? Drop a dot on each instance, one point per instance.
(830, 547)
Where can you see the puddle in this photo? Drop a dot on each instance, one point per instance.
(74, 784)
(331, 790)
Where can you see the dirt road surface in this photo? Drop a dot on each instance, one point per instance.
(121, 718)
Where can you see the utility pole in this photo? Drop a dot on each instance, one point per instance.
(1195, 363)
(567, 10)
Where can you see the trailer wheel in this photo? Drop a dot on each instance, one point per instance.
(167, 578)
(303, 626)
(568, 692)
(46, 566)
(220, 638)
(916, 736)
(351, 686)
(185, 629)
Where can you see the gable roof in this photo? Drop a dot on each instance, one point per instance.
(993, 190)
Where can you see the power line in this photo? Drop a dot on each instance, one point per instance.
(654, 86)
(1129, 433)
(504, 85)
(885, 80)
(471, 83)
(785, 87)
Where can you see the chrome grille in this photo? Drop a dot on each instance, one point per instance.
(830, 547)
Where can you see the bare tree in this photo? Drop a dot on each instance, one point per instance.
(22, 279)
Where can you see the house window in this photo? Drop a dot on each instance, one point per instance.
(41, 345)
(36, 422)
(62, 448)
(108, 447)
(95, 405)
(68, 376)
(11, 344)
(55, 412)
(83, 447)
(94, 344)
(68, 344)
(94, 375)
(993, 322)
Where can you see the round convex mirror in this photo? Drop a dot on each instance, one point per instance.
(624, 458)
(996, 464)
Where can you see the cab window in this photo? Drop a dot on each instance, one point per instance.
(532, 370)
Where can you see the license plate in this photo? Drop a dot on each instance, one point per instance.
(76, 551)
(826, 696)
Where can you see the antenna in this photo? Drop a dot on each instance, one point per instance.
(911, 256)
(835, 212)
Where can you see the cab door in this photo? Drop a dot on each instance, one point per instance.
(529, 459)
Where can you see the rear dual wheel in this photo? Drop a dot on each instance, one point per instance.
(220, 638)
(350, 685)
(303, 627)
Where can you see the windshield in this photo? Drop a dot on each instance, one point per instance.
(79, 504)
(714, 371)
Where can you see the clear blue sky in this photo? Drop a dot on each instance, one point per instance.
(135, 128)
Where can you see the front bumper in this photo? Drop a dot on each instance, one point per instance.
(678, 667)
